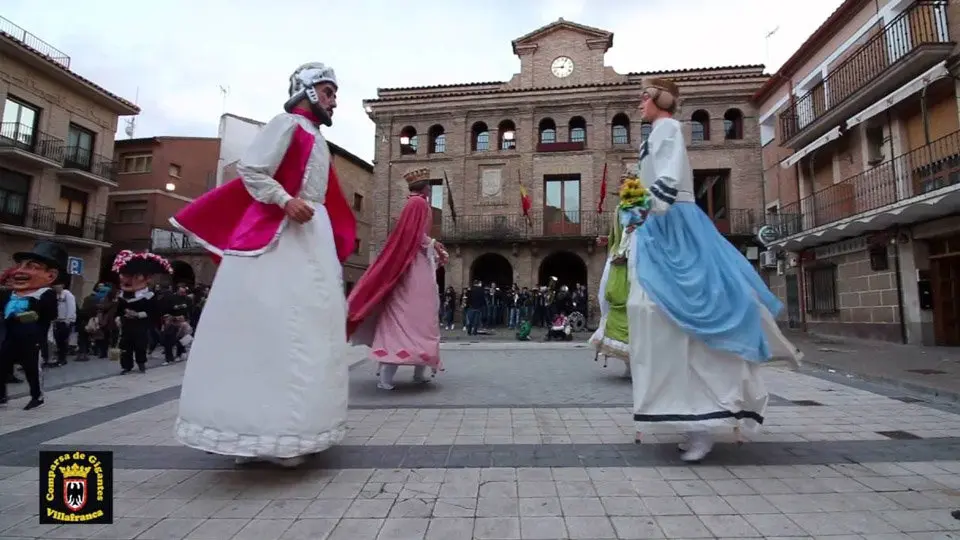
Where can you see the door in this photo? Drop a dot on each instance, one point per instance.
(945, 278)
(561, 206)
(793, 301)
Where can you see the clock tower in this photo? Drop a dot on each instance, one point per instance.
(562, 53)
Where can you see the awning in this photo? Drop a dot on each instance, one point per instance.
(936, 72)
(831, 135)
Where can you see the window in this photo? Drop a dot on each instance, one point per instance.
(645, 129)
(822, 289)
(174, 170)
(561, 205)
(408, 141)
(733, 124)
(131, 211)
(19, 122)
(548, 131)
(358, 202)
(479, 137)
(436, 208)
(356, 245)
(507, 132)
(438, 139)
(710, 190)
(620, 129)
(14, 194)
(79, 148)
(578, 129)
(700, 126)
(875, 140)
(347, 287)
(136, 163)
(71, 211)
(879, 258)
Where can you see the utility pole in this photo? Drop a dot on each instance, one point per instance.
(224, 91)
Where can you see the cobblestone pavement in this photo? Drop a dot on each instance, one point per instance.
(512, 441)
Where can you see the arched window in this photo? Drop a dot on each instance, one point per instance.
(408, 141)
(700, 126)
(578, 130)
(645, 129)
(733, 124)
(479, 137)
(507, 133)
(620, 129)
(548, 131)
(438, 139)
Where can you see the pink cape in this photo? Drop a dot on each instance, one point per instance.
(229, 219)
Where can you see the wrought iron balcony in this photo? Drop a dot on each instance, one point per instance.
(737, 222)
(19, 34)
(166, 241)
(909, 45)
(79, 226)
(561, 146)
(29, 216)
(17, 138)
(925, 170)
(83, 160)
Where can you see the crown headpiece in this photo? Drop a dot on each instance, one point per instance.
(75, 471)
(149, 262)
(417, 175)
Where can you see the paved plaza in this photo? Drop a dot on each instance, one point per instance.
(512, 441)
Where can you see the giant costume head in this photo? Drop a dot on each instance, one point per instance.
(662, 93)
(136, 269)
(304, 85)
(38, 268)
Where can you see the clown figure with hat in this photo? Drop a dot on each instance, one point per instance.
(29, 307)
(701, 320)
(137, 305)
(394, 307)
(268, 372)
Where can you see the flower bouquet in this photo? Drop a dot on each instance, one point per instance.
(632, 211)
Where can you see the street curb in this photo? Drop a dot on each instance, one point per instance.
(927, 391)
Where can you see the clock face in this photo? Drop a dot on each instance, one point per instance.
(562, 67)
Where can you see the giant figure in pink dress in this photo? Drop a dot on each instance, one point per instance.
(267, 376)
(394, 307)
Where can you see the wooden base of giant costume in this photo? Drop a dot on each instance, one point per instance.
(268, 370)
(702, 321)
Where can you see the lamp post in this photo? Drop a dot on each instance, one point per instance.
(171, 186)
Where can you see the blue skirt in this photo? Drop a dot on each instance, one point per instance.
(703, 283)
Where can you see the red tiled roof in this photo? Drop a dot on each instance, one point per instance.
(83, 80)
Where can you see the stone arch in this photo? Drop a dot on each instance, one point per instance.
(568, 267)
(183, 273)
(492, 267)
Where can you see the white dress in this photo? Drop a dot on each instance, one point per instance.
(679, 381)
(268, 371)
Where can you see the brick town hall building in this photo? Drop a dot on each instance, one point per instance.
(554, 126)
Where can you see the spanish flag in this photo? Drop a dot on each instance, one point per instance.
(524, 199)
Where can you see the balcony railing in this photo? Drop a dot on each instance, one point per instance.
(28, 139)
(34, 42)
(30, 216)
(923, 23)
(84, 160)
(79, 226)
(559, 224)
(162, 240)
(924, 170)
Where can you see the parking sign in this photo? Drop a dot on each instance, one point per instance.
(74, 266)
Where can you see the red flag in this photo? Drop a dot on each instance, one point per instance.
(603, 190)
(525, 203)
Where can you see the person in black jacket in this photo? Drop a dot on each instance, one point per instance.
(137, 306)
(29, 306)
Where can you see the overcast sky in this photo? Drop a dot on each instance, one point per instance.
(172, 57)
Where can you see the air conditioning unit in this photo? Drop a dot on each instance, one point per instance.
(768, 259)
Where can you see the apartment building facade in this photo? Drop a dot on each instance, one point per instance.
(555, 128)
(355, 174)
(861, 159)
(158, 177)
(56, 154)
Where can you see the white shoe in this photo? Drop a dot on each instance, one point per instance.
(385, 386)
(289, 462)
(699, 444)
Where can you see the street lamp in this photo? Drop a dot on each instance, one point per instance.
(171, 186)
